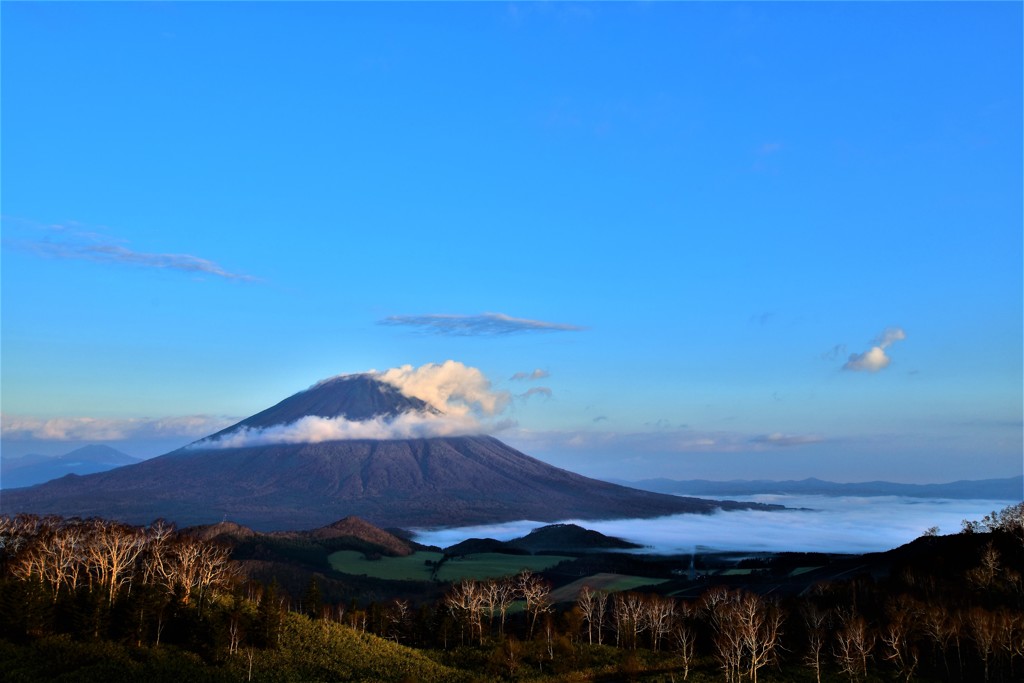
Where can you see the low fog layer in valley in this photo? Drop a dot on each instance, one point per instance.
(812, 524)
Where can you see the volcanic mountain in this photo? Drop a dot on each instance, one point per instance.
(407, 482)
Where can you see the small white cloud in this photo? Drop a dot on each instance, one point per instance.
(875, 358)
(872, 360)
(451, 387)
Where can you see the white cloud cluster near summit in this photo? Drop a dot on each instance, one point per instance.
(875, 358)
(462, 396)
(450, 387)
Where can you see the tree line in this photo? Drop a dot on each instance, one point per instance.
(956, 613)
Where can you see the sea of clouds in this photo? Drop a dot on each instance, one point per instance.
(836, 524)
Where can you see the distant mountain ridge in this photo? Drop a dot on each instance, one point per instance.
(1010, 488)
(425, 482)
(35, 469)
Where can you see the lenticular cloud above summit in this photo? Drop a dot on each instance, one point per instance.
(433, 400)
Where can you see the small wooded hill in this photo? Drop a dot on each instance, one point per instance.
(294, 558)
(350, 533)
(553, 538)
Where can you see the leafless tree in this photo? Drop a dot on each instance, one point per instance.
(465, 602)
(111, 551)
(158, 536)
(592, 605)
(498, 597)
(683, 637)
(760, 627)
(984, 631)
(68, 555)
(628, 618)
(658, 616)
(398, 617)
(536, 592)
(817, 623)
(897, 636)
(1009, 520)
(854, 642)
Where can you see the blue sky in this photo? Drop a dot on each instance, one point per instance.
(692, 217)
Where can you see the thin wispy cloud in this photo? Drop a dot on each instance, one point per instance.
(786, 440)
(74, 242)
(678, 440)
(835, 352)
(536, 391)
(527, 376)
(875, 358)
(110, 429)
(483, 324)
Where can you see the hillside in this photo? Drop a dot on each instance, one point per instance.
(35, 469)
(1010, 488)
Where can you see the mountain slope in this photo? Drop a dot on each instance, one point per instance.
(391, 483)
(416, 482)
(34, 469)
(353, 397)
(1011, 488)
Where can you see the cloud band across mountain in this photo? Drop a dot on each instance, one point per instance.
(447, 399)
(314, 429)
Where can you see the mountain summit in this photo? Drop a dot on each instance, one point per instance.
(409, 482)
(352, 397)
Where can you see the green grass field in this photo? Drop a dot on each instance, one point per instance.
(610, 583)
(414, 568)
(802, 570)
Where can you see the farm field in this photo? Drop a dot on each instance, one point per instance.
(415, 568)
(603, 581)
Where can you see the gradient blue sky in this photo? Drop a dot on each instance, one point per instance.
(208, 207)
